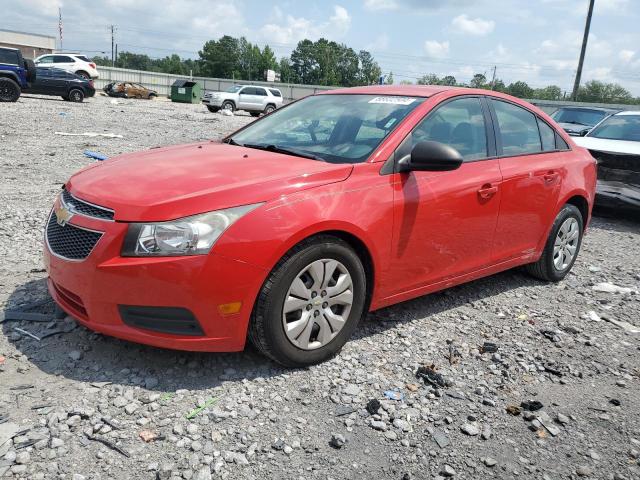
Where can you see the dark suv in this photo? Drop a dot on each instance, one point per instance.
(16, 73)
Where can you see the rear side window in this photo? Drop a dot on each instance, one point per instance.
(518, 129)
(460, 124)
(547, 135)
(275, 93)
(9, 57)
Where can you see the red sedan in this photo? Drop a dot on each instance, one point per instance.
(289, 230)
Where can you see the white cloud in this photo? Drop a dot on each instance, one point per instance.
(289, 29)
(381, 43)
(376, 5)
(436, 49)
(626, 55)
(473, 26)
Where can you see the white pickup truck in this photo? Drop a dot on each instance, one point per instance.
(250, 98)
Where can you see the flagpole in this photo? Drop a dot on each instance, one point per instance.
(60, 25)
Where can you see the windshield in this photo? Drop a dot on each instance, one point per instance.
(577, 116)
(233, 89)
(618, 127)
(334, 128)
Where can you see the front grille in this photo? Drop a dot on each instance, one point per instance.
(70, 242)
(85, 208)
(175, 320)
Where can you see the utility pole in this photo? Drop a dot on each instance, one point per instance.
(576, 85)
(113, 60)
(116, 62)
(493, 79)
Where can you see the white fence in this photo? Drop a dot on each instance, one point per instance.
(161, 82)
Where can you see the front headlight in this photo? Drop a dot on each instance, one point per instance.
(185, 236)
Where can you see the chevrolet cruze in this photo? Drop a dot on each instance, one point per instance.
(289, 230)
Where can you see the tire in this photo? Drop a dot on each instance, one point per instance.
(152, 96)
(268, 320)
(76, 95)
(554, 266)
(30, 67)
(66, 99)
(228, 105)
(213, 109)
(9, 90)
(254, 114)
(269, 108)
(84, 74)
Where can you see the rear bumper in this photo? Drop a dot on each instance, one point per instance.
(97, 290)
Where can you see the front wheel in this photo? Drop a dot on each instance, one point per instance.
(228, 106)
(562, 247)
(310, 304)
(212, 109)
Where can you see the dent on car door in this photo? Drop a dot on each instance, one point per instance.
(532, 168)
(445, 221)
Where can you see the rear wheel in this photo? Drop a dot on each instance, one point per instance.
(152, 96)
(562, 247)
(9, 90)
(83, 74)
(76, 95)
(310, 304)
(269, 108)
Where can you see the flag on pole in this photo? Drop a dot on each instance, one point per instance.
(60, 25)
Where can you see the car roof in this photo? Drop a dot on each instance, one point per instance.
(599, 109)
(628, 112)
(402, 90)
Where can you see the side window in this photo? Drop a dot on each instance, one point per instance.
(548, 136)
(48, 59)
(275, 93)
(518, 129)
(560, 143)
(261, 92)
(248, 91)
(458, 123)
(9, 57)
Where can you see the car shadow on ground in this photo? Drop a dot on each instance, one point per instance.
(616, 219)
(105, 358)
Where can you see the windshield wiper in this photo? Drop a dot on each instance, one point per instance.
(231, 141)
(573, 122)
(285, 150)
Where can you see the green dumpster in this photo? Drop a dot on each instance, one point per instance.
(186, 91)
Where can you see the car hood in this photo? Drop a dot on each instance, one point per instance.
(606, 145)
(173, 182)
(574, 127)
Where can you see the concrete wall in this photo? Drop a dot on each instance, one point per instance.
(161, 82)
(31, 45)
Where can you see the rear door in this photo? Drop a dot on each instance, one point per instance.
(261, 98)
(444, 222)
(532, 169)
(59, 82)
(64, 62)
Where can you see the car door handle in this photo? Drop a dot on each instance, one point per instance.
(550, 177)
(487, 191)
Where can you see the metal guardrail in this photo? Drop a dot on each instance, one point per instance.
(161, 82)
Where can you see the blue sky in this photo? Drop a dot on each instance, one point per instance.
(537, 41)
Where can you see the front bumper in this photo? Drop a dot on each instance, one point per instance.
(213, 102)
(94, 291)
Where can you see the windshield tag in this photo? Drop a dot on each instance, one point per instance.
(393, 100)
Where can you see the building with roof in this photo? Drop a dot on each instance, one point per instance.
(31, 45)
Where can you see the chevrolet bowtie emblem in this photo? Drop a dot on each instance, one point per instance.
(63, 215)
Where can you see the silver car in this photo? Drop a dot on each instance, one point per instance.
(250, 98)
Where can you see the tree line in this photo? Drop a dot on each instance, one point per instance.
(324, 62)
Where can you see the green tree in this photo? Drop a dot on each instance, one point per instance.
(520, 89)
(304, 64)
(389, 79)
(478, 81)
(370, 72)
(552, 92)
(597, 91)
(429, 79)
(220, 58)
(449, 80)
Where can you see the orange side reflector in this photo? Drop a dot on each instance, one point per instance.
(229, 308)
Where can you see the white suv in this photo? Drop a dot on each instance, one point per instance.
(250, 98)
(69, 62)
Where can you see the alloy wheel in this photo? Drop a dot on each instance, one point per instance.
(566, 244)
(317, 304)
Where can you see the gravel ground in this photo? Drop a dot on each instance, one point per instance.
(558, 399)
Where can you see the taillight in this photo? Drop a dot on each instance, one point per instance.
(92, 65)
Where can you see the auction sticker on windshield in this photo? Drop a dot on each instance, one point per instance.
(393, 100)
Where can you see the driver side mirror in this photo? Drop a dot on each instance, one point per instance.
(431, 157)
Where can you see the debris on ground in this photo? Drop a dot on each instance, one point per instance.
(514, 410)
(337, 441)
(196, 411)
(607, 287)
(373, 406)
(626, 326)
(429, 375)
(488, 347)
(95, 155)
(531, 405)
(148, 436)
(89, 134)
(394, 395)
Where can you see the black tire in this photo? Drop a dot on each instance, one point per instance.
(84, 74)
(9, 90)
(269, 108)
(254, 114)
(76, 95)
(229, 105)
(66, 99)
(152, 96)
(544, 268)
(266, 330)
(30, 67)
(213, 109)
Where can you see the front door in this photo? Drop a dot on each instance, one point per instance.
(532, 170)
(444, 222)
